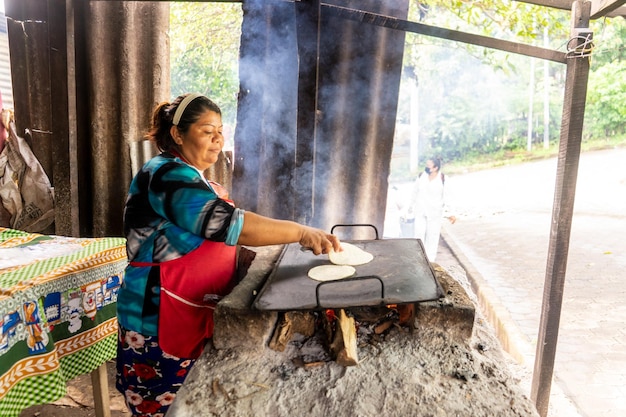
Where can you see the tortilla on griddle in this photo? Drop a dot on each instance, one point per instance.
(331, 272)
(350, 255)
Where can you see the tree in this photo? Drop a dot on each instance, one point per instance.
(204, 45)
(606, 94)
(476, 100)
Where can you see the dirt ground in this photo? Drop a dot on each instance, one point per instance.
(79, 400)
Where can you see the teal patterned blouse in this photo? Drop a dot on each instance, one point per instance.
(171, 209)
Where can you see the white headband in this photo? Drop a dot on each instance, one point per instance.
(181, 107)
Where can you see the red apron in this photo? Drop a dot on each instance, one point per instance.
(191, 286)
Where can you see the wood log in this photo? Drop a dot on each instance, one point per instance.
(344, 342)
(383, 326)
(288, 324)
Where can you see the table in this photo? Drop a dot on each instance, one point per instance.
(57, 314)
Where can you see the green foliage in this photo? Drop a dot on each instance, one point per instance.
(476, 161)
(608, 37)
(474, 100)
(509, 20)
(605, 113)
(204, 41)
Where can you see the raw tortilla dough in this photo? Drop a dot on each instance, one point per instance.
(351, 255)
(331, 272)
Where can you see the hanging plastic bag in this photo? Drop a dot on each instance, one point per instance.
(25, 190)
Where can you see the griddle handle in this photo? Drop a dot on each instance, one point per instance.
(356, 225)
(317, 287)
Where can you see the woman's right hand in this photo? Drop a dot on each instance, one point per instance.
(319, 241)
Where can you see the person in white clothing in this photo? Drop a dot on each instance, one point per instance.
(427, 205)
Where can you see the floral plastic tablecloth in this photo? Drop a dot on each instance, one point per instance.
(57, 313)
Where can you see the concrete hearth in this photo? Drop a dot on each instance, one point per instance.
(445, 364)
(237, 325)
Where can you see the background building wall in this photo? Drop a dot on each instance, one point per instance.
(5, 66)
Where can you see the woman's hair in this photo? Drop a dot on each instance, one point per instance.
(163, 116)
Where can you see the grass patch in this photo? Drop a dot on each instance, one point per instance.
(476, 162)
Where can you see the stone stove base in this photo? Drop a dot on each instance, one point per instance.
(446, 364)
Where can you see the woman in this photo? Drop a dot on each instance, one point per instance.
(182, 232)
(427, 207)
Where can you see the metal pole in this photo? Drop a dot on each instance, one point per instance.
(567, 170)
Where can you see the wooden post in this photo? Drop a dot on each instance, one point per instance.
(41, 44)
(562, 211)
(101, 391)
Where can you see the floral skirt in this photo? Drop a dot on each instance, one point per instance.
(147, 377)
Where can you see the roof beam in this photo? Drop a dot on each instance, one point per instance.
(555, 4)
(454, 35)
(599, 8)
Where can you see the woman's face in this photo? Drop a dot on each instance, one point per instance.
(203, 142)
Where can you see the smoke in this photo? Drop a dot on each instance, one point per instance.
(330, 163)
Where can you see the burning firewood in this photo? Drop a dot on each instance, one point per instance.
(344, 342)
(407, 315)
(382, 327)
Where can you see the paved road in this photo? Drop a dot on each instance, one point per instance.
(502, 239)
